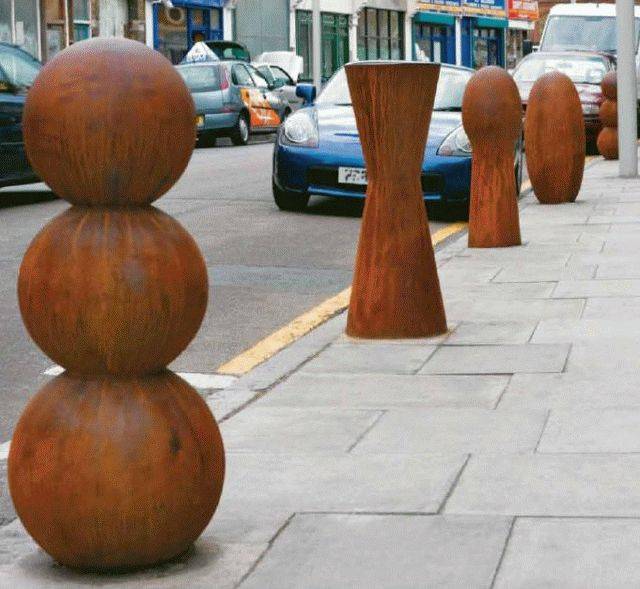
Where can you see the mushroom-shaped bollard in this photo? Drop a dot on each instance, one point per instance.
(117, 463)
(608, 137)
(555, 139)
(396, 290)
(492, 118)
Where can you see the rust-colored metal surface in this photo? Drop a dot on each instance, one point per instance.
(555, 139)
(608, 137)
(396, 290)
(112, 117)
(118, 463)
(116, 473)
(492, 118)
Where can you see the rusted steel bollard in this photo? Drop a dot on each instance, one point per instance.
(555, 139)
(117, 463)
(492, 118)
(396, 290)
(608, 137)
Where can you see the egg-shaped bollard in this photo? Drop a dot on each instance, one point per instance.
(118, 463)
(608, 137)
(555, 139)
(396, 291)
(492, 119)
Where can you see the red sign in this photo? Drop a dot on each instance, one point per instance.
(524, 9)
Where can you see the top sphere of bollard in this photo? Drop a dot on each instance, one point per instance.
(491, 107)
(609, 86)
(109, 122)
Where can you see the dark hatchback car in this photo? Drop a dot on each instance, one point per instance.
(18, 70)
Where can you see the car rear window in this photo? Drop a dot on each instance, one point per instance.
(201, 78)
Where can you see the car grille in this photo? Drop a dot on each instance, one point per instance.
(328, 177)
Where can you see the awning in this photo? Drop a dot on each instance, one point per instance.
(491, 23)
(435, 18)
(199, 3)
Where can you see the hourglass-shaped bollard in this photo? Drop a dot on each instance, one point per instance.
(492, 118)
(608, 136)
(117, 463)
(396, 291)
(555, 139)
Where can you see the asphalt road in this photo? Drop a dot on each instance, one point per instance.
(266, 266)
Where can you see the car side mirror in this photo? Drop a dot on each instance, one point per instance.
(307, 92)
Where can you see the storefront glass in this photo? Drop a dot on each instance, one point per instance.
(19, 24)
(434, 43)
(304, 42)
(335, 43)
(380, 34)
(81, 19)
(515, 40)
(6, 22)
(486, 47)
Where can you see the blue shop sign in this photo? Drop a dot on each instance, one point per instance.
(199, 3)
(485, 8)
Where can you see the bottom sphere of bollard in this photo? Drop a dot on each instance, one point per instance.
(110, 475)
(608, 143)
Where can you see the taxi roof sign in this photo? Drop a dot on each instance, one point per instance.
(200, 53)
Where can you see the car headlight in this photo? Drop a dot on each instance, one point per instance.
(301, 130)
(590, 108)
(456, 144)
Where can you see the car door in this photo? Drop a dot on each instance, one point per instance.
(261, 112)
(286, 87)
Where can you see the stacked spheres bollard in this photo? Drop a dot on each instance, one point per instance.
(492, 118)
(117, 463)
(608, 137)
(555, 139)
(396, 290)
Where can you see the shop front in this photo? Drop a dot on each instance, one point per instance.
(178, 26)
(483, 33)
(20, 24)
(434, 31)
(380, 34)
(523, 15)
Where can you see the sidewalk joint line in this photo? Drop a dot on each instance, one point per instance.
(453, 487)
(271, 542)
(503, 392)
(542, 430)
(375, 421)
(504, 552)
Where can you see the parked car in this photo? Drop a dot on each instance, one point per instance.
(229, 50)
(232, 98)
(280, 83)
(585, 69)
(318, 148)
(585, 27)
(18, 70)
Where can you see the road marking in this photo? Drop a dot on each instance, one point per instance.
(300, 326)
(4, 450)
(195, 379)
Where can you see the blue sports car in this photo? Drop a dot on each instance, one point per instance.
(318, 148)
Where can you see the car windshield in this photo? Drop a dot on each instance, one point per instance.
(200, 78)
(18, 67)
(449, 94)
(586, 33)
(581, 69)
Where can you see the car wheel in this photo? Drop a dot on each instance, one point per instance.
(290, 201)
(240, 134)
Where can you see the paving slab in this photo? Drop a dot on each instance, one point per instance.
(381, 391)
(460, 308)
(571, 554)
(376, 358)
(612, 308)
(503, 291)
(574, 485)
(587, 331)
(598, 431)
(569, 390)
(491, 332)
(318, 551)
(287, 430)
(604, 357)
(465, 431)
(617, 270)
(497, 359)
(573, 289)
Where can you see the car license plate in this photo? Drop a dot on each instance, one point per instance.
(352, 176)
(200, 121)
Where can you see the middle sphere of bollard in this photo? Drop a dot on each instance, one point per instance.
(492, 118)
(555, 139)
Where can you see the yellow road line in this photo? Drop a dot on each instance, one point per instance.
(306, 322)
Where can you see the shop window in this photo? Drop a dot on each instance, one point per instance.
(172, 33)
(304, 42)
(19, 24)
(486, 47)
(335, 43)
(6, 24)
(433, 43)
(380, 34)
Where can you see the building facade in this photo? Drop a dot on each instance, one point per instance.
(523, 15)
(262, 25)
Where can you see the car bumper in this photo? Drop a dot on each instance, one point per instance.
(218, 123)
(306, 170)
